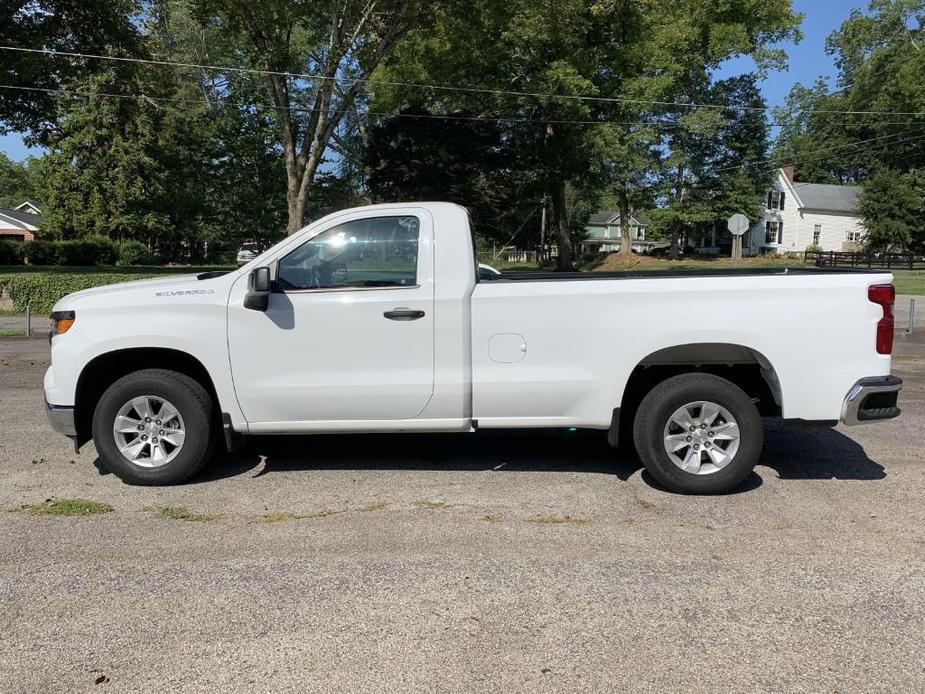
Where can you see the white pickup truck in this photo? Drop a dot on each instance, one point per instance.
(377, 319)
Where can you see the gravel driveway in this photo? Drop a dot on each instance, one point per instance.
(495, 562)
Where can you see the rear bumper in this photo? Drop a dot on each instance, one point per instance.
(61, 419)
(872, 400)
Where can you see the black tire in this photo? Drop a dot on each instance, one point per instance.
(664, 400)
(192, 402)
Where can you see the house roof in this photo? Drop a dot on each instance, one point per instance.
(605, 217)
(28, 203)
(824, 196)
(31, 220)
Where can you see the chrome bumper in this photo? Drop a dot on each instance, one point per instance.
(872, 400)
(61, 419)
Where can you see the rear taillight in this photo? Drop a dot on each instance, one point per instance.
(884, 295)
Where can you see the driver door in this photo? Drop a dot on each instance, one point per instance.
(349, 331)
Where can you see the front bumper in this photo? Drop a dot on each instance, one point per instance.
(61, 419)
(872, 400)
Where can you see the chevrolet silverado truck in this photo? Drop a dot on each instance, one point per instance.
(378, 319)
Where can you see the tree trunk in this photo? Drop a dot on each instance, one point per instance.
(626, 242)
(295, 205)
(676, 225)
(304, 144)
(676, 229)
(560, 222)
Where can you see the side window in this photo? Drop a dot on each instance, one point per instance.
(375, 252)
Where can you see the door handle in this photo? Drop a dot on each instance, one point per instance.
(403, 314)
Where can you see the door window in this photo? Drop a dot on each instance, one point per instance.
(375, 252)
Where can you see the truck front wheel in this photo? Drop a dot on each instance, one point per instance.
(698, 434)
(154, 427)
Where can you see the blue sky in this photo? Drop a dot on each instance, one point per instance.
(807, 59)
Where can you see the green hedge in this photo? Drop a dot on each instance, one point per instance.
(43, 290)
(11, 252)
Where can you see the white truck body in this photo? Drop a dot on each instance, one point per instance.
(517, 351)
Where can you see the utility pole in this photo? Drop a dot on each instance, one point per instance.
(543, 227)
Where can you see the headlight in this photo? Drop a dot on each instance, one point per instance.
(61, 322)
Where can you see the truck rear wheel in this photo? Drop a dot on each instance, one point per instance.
(154, 427)
(698, 434)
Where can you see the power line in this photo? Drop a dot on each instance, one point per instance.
(437, 87)
(815, 155)
(848, 145)
(385, 114)
(305, 109)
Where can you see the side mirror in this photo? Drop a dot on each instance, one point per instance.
(258, 289)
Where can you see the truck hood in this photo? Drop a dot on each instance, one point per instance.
(179, 281)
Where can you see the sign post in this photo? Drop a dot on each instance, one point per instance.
(738, 224)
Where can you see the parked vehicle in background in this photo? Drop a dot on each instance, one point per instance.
(247, 252)
(486, 272)
(378, 319)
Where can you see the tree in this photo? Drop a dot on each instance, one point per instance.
(701, 147)
(20, 181)
(893, 207)
(881, 68)
(102, 26)
(418, 156)
(339, 43)
(132, 168)
(531, 49)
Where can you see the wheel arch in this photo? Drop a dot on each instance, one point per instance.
(105, 369)
(746, 367)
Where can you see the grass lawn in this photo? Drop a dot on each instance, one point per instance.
(909, 281)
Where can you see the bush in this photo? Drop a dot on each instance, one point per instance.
(11, 252)
(90, 250)
(814, 249)
(43, 289)
(134, 252)
(41, 252)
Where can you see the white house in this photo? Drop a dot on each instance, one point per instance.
(21, 223)
(798, 215)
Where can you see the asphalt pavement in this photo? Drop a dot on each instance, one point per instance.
(493, 562)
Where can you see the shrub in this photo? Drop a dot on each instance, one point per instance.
(11, 252)
(41, 252)
(814, 249)
(107, 250)
(43, 289)
(90, 250)
(134, 252)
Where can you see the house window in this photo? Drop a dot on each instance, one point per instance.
(854, 235)
(773, 232)
(640, 233)
(817, 233)
(776, 200)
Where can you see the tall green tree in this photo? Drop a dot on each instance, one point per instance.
(338, 43)
(20, 181)
(100, 26)
(867, 122)
(893, 207)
